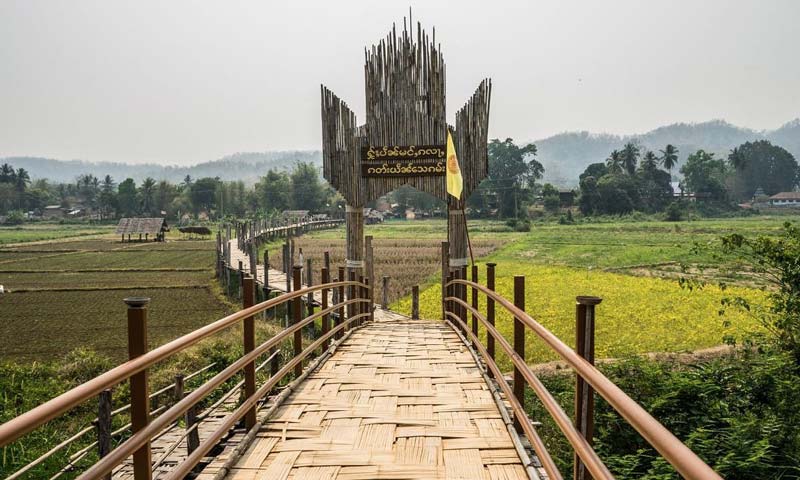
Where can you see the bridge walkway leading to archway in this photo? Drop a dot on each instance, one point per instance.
(399, 399)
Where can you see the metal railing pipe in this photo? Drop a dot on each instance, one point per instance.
(685, 461)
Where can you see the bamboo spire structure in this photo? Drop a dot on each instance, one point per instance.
(405, 90)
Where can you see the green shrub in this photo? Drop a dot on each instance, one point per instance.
(737, 412)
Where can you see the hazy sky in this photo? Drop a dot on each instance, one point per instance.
(190, 81)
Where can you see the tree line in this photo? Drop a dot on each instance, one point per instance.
(633, 179)
(298, 189)
(630, 179)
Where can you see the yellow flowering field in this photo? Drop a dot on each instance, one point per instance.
(637, 314)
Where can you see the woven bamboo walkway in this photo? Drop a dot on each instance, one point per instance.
(396, 400)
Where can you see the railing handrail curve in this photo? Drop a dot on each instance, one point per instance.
(28, 421)
(138, 439)
(685, 461)
(596, 466)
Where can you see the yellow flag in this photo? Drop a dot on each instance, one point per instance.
(455, 183)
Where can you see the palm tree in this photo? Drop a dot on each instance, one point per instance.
(669, 157)
(614, 162)
(737, 159)
(7, 174)
(147, 190)
(630, 155)
(22, 179)
(649, 161)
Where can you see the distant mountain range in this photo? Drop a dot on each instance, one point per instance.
(239, 166)
(564, 156)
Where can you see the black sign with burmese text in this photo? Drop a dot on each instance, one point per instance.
(403, 161)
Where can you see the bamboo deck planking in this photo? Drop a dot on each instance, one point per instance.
(397, 400)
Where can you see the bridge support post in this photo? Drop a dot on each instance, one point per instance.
(140, 401)
(519, 344)
(297, 313)
(584, 393)
(249, 329)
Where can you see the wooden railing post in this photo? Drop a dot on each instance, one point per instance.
(584, 393)
(448, 292)
(103, 426)
(326, 321)
(241, 279)
(297, 312)
(360, 294)
(249, 329)
(140, 401)
(310, 296)
(474, 300)
(351, 294)
(369, 292)
(266, 274)
(461, 293)
(445, 275)
(414, 302)
(193, 438)
(340, 299)
(385, 299)
(490, 308)
(369, 275)
(519, 344)
(326, 261)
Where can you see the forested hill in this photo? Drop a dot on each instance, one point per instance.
(566, 155)
(239, 166)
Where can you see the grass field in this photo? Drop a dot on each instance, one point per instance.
(67, 294)
(49, 231)
(617, 261)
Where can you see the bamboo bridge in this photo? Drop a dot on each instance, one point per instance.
(372, 394)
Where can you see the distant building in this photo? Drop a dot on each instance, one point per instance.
(785, 199)
(567, 197)
(52, 212)
(295, 214)
(145, 228)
